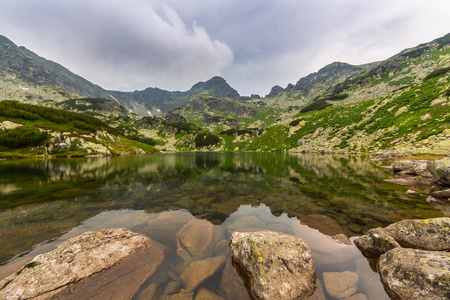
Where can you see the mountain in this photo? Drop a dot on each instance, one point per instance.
(217, 86)
(400, 105)
(156, 101)
(28, 77)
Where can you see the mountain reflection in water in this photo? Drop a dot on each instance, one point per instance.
(316, 197)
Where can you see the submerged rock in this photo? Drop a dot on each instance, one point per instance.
(96, 262)
(324, 224)
(440, 170)
(341, 284)
(204, 294)
(198, 271)
(166, 225)
(231, 285)
(278, 266)
(195, 237)
(416, 274)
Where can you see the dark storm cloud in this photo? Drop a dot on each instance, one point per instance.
(254, 44)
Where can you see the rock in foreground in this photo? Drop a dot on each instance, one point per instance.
(278, 266)
(416, 274)
(415, 258)
(429, 234)
(94, 263)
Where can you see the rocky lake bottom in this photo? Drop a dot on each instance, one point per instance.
(191, 203)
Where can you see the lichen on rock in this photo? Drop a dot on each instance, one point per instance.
(440, 170)
(278, 266)
(96, 262)
(415, 258)
(416, 274)
(428, 234)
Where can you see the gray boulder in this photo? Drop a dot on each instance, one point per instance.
(440, 169)
(429, 234)
(278, 266)
(94, 263)
(415, 274)
(411, 167)
(442, 194)
(376, 242)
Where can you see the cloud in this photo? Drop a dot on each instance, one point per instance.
(120, 45)
(253, 44)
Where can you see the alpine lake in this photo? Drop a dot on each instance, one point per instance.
(316, 197)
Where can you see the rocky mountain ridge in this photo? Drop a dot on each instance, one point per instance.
(27, 77)
(400, 105)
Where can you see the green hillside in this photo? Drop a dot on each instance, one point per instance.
(30, 130)
(398, 106)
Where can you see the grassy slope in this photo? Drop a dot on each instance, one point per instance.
(79, 128)
(411, 112)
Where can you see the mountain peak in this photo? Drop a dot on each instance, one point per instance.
(218, 86)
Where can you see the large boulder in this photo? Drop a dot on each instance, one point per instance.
(411, 167)
(278, 266)
(429, 234)
(415, 274)
(94, 263)
(442, 194)
(440, 169)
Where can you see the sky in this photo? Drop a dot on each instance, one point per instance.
(253, 44)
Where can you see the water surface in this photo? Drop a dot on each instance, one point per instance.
(316, 197)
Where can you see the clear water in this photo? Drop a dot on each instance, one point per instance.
(44, 202)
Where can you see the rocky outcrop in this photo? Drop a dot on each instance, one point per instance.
(423, 174)
(275, 91)
(278, 266)
(411, 167)
(415, 258)
(440, 170)
(415, 274)
(94, 263)
(429, 234)
(441, 194)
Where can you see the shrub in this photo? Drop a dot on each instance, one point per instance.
(145, 140)
(206, 139)
(317, 105)
(22, 136)
(436, 73)
(334, 97)
(295, 122)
